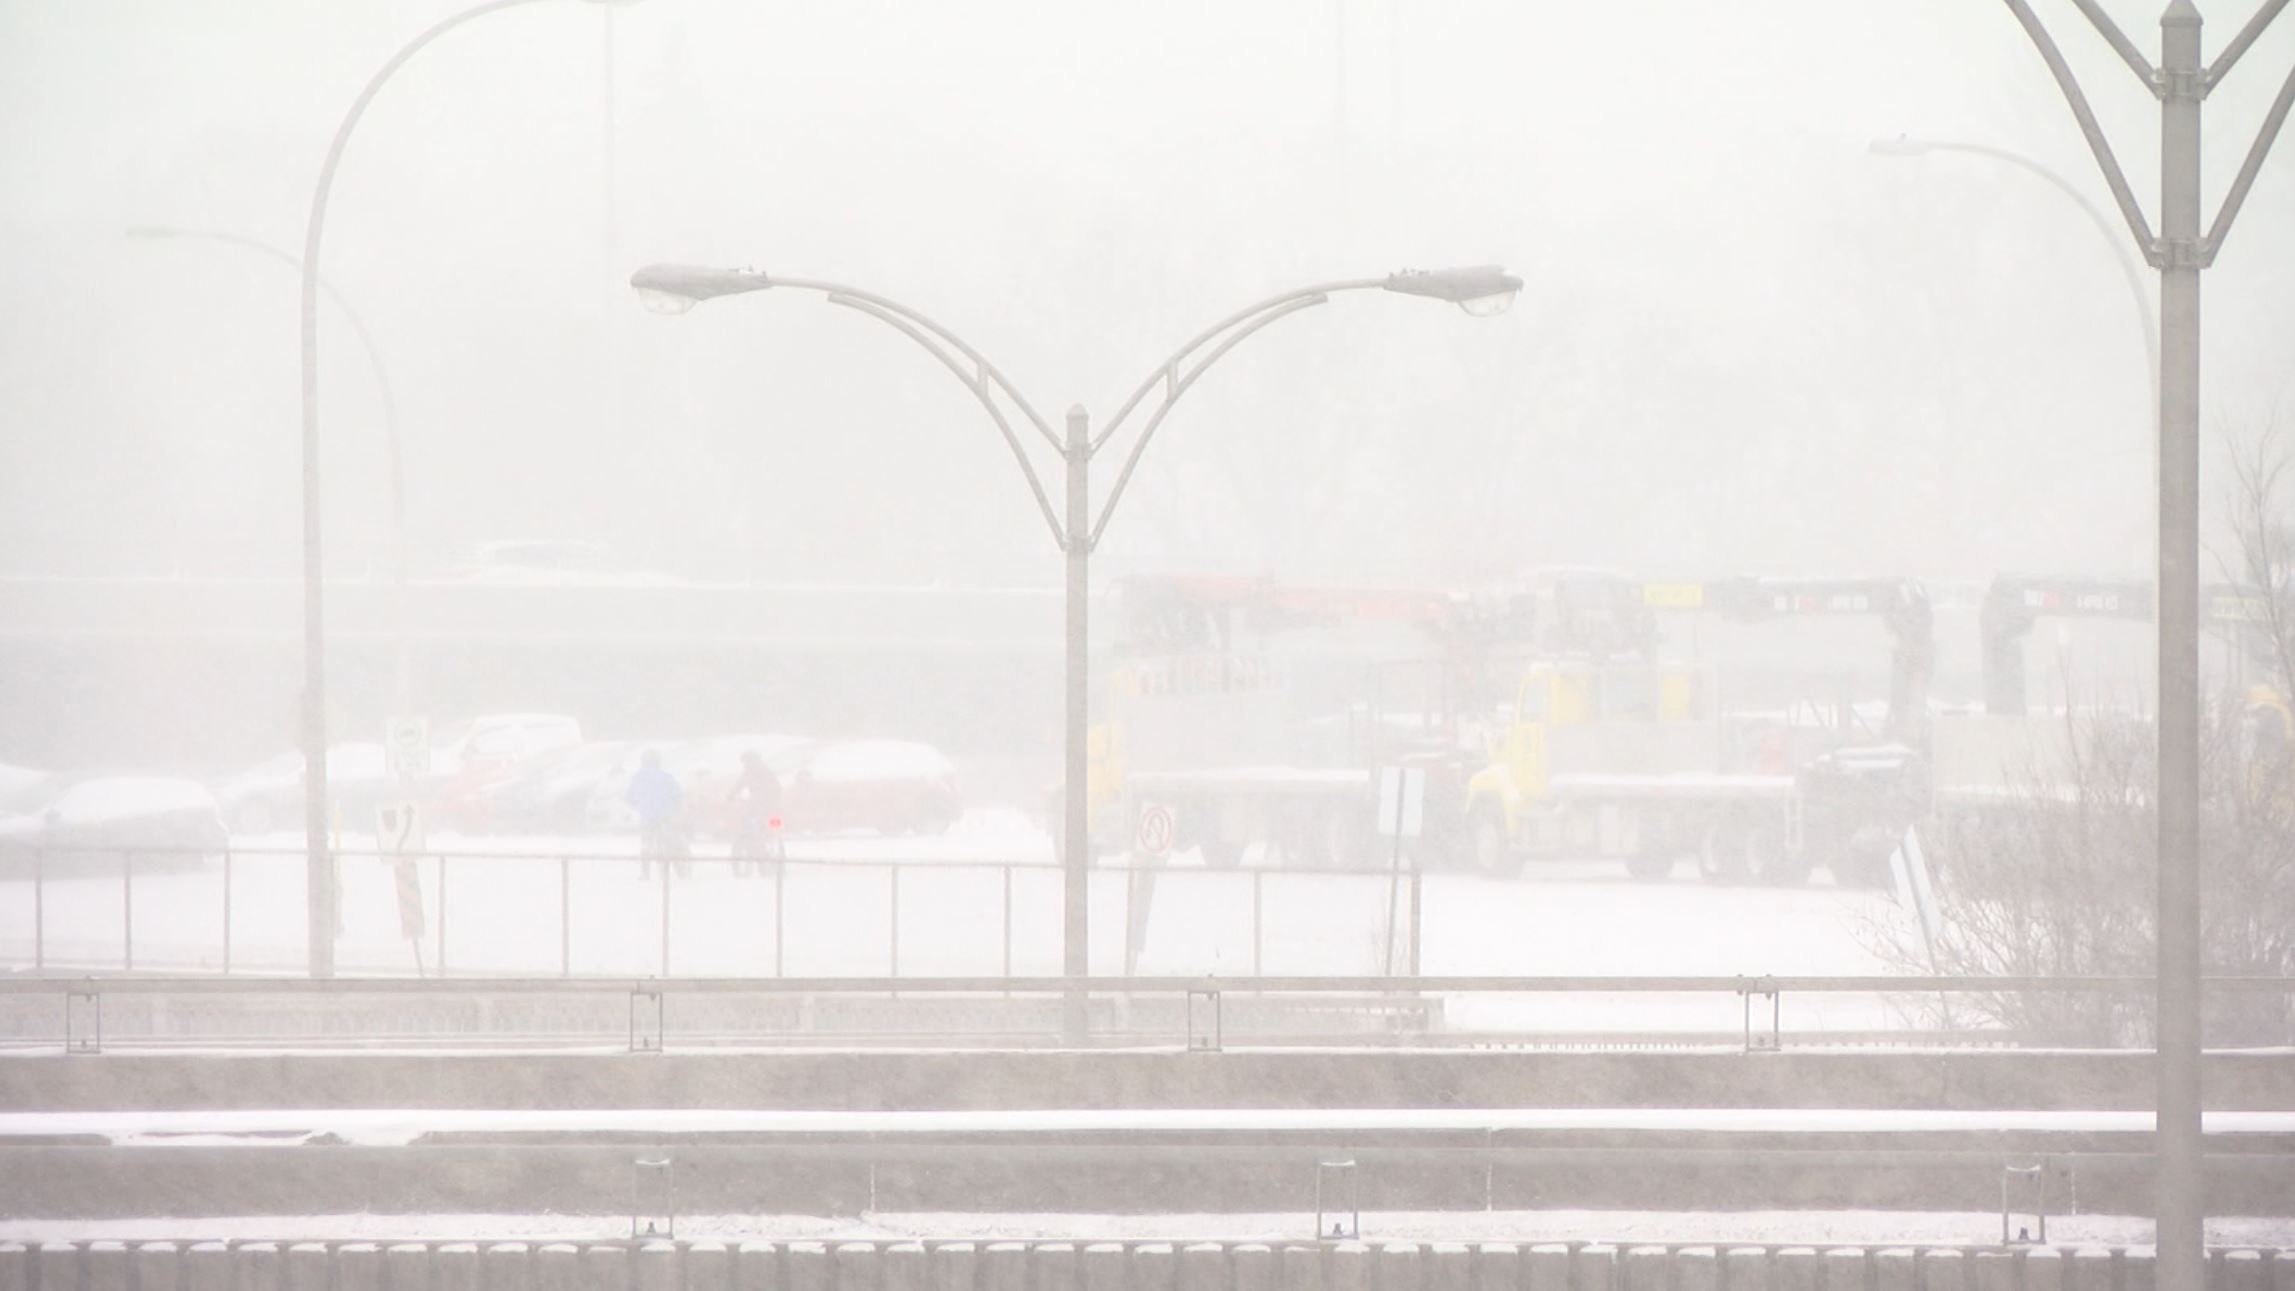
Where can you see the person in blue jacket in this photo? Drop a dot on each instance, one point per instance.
(656, 797)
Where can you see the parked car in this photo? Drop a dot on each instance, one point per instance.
(552, 792)
(88, 815)
(710, 770)
(471, 760)
(890, 786)
(269, 795)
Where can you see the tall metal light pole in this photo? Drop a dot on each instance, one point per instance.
(320, 884)
(2180, 252)
(1481, 291)
(393, 442)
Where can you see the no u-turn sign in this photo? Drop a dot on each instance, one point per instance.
(1157, 825)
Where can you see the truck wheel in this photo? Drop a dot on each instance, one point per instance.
(1349, 844)
(1863, 860)
(1221, 853)
(1724, 854)
(1772, 862)
(1492, 855)
(1650, 866)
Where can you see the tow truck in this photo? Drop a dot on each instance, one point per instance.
(1618, 754)
(1986, 766)
(1257, 712)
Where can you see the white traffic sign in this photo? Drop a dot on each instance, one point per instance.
(406, 744)
(1158, 824)
(1402, 800)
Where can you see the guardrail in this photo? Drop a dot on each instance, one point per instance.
(1401, 1002)
(429, 878)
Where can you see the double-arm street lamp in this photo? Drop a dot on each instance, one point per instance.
(2180, 251)
(320, 883)
(1482, 291)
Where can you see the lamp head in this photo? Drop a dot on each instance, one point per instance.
(676, 288)
(1485, 290)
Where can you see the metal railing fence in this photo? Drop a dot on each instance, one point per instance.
(436, 875)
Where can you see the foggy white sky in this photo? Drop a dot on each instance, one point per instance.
(1745, 346)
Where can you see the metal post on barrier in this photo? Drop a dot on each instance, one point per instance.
(648, 1042)
(1417, 922)
(665, 888)
(441, 916)
(74, 1042)
(1258, 893)
(1215, 1039)
(1335, 1168)
(653, 1197)
(1774, 1041)
(127, 911)
(780, 925)
(227, 909)
(2037, 1175)
(565, 916)
(1007, 919)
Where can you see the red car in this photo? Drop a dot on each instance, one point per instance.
(890, 786)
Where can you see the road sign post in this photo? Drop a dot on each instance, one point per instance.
(1152, 838)
(1402, 813)
(398, 832)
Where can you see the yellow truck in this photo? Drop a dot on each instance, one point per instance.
(1626, 756)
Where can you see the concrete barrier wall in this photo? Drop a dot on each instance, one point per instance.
(662, 1265)
(868, 1081)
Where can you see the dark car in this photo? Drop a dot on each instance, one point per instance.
(269, 795)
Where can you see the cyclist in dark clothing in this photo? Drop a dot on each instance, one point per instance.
(756, 814)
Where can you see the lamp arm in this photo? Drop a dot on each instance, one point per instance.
(888, 309)
(1176, 385)
(976, 382)
(1163, 371)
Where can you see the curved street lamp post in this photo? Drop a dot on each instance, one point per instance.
(2130, 270)
(320, 885)
(394, 443)
(1482, 291)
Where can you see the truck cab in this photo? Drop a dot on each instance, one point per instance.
(1581, 717)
